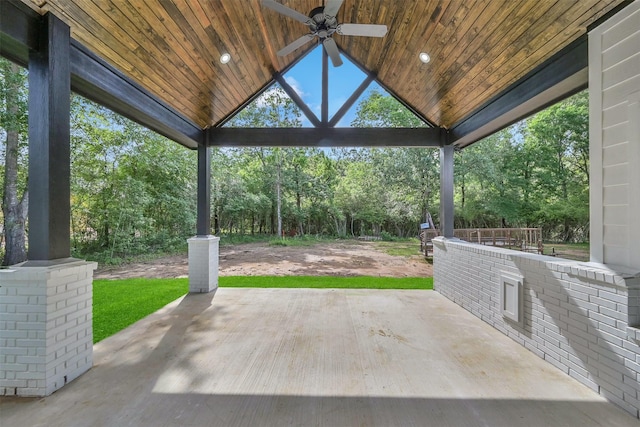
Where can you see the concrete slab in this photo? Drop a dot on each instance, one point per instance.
(276, 357)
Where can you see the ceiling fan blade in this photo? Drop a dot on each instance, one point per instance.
(280, 8)
(332, 7)
(368, 30)
(332, 50)
(295, 45)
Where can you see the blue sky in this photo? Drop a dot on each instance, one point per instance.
(306, 78)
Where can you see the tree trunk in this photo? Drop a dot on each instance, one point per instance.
(278, 195)
(216, 221)
(14, 207)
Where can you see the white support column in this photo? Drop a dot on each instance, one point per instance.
(46, 325)
(614, 134)
(203, 263)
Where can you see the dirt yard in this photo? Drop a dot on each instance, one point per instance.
(340, 258)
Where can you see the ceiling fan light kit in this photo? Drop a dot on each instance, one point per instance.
(322, 23)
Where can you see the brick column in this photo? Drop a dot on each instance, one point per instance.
(203, 263)
(46, 326)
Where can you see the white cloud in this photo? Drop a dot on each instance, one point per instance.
(295, 85)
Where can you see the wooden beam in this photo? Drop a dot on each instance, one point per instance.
(352, 100)
(544, 85)
(297, 100)
(18, 31)
(324, 106)
(95, 79)
(325, 137)
(49, 143)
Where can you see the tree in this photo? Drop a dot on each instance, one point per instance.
(132, 191)
(560, 137)
(15, 198)
(272, 109)
(384, 111)
(532, 174)
(408, 177)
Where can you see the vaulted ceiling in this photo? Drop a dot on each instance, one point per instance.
(478, 48)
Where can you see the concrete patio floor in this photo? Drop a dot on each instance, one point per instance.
(278, 357)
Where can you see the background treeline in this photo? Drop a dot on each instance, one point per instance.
(134, 192)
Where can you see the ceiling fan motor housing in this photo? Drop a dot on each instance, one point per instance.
(322, 25)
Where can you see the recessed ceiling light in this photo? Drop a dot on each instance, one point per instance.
(424, 57)
(225, 58)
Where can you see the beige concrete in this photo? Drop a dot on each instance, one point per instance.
(267, 357)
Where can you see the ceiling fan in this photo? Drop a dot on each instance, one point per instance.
(323, 24)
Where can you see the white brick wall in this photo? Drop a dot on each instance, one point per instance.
(576, 315)
(614, 138)
(203, 263)
(46, 335)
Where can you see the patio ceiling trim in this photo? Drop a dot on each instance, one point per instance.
(95, 79)
(563, 75)
(326, 137)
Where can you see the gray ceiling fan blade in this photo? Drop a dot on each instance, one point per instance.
(368, 30)
(295, 45)
(332, 7)
(280, 8)
(332, 50)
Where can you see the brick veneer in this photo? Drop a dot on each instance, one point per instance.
(576, 315)
(46, 335)
(203, 263)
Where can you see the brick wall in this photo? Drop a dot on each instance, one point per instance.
(46, 335)
(575, 315)
(203, 263)
(614, 138)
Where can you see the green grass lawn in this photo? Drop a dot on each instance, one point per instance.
(355, 282)
(120, 303)
(405, 247)
(574, 251)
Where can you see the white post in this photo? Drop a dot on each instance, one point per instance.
(46, 325)
(203, 263)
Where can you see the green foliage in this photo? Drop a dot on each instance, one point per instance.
(386, 236)
(13, 161)
(533, 174)
(521, 176)
(133, 191)
(120, 303)
(379, 110)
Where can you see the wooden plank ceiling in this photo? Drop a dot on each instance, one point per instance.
(478, 48)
